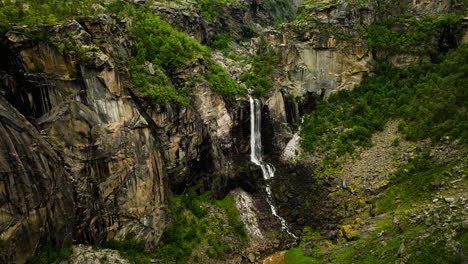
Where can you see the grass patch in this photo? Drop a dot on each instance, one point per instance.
(296, 256)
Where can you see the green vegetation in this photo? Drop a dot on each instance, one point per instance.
(409, 34)
(221, 82)
(193, 225)
(159, 49)
(131, 249)
(282, 10)
(167, 49)
(259, 77)
(27, 12)
(412, 183)
(221, 41)
(430, 100)
(430, 231)
(296, 256)
(197, 221)
(52, 254)
(212, 8)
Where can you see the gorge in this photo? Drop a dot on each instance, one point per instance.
(228, 131)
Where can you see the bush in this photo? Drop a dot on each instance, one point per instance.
(221, 41)
(212, 8)
(193, 226)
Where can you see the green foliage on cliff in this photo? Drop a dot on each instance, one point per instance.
(259, 77)
(409, 34)
(156, 42)
(194, 225)
(430, 99)
(282, 10)
(221, 82)
(27, 12)
(212, 8)
(167, 49)
(52, 254)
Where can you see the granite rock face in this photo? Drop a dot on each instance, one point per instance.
(82, 109)
(36, 195)
(105, 160)
(325, 53)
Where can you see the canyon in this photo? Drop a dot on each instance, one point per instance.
(86, 159)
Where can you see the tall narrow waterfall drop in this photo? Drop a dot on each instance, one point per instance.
(268, 171)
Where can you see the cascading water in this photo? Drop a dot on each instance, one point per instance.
(268, 170)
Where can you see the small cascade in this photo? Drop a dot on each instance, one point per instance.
(268, 171)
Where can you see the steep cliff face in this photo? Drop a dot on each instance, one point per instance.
(113, 156)
(82, 109)
(324, 52)
(36, 195)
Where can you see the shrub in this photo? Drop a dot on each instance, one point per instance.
(167, 49)
(221, 41)
(212, 8)
(193, 226)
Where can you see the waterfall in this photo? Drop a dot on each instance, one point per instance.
(268, 171)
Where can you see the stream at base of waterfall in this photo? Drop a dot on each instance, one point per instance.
(268, 171)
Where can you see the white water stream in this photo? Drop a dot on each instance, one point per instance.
(268, 170)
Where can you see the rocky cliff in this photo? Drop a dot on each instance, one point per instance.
(85, 159)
